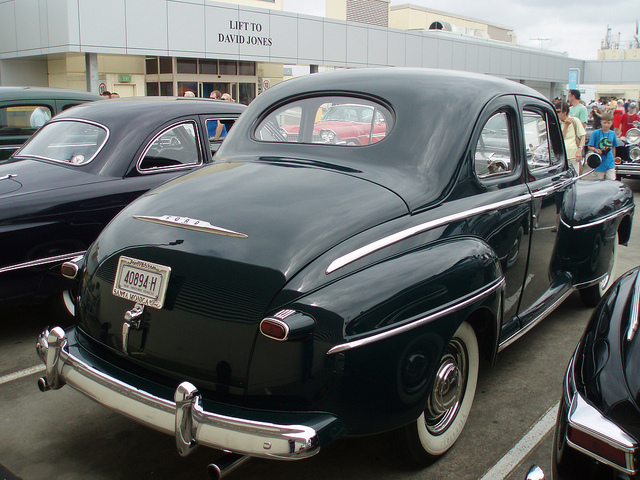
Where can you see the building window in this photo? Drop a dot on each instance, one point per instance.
(187, 65)
(184, 87)
(247, 93)
(247, 68)
(166, 65)
(166, 89)
(153, 89)
(208, 67)
(228, 67)
(151, 64)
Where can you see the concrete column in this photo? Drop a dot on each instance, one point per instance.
(91, 64)
(313, 68)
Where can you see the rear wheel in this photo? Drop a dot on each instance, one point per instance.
(449, 402)
(590, 296)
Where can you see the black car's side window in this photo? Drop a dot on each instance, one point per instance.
(174, 147)
(23, 119)
(536, 139)
(494, 152)
(217, 130)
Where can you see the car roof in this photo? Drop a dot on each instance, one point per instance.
(435, 112)
(112, 113)
(45, 93)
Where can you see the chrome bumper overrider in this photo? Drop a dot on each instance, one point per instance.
(184, 417)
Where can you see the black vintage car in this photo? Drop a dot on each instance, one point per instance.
(628, 155)
(69, 180)
(598, 429)
(25, 109)
(302, 288)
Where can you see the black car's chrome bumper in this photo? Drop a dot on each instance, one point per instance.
(184, 417)
(628, 169)
(581, 416)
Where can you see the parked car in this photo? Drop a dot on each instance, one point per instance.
(628, 155)
(25, 109)
(296, 292)
(598, 427)
(71, 178)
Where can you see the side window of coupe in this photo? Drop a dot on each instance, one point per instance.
(494, 153)
(23, 119)
(536, 137)
(343, 121)
(175, 147)
(217, 130)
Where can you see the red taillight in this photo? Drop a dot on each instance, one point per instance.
(274, 329)
(597, 446)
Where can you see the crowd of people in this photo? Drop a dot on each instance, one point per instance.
(610, 118)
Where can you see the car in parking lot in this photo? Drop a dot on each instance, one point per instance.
(295, 292)
(628, 155)
(25, 109)
(71, 178)
(598, 428)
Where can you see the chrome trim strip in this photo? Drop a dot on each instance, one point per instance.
(11, 175)
(11, 147)
(455, 305)
(604, 219)
(189, 224)
(42, 261)
(579, 286)
(549, 190)
(410, 232)
(588, 419)
(634, 321)
(536, 321)
(239, 435)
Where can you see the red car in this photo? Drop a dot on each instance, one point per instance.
(340, 124)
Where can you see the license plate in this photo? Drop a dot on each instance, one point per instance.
(142, 282)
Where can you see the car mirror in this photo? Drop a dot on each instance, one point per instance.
(593, 160)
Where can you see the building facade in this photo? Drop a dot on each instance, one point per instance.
(150, 47)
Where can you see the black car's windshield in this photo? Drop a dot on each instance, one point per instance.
(72, 142)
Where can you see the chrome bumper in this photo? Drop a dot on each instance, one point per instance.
(184, 417)
(632, 169)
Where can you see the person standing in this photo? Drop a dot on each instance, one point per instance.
(604, 143)
(628, 120)
(577, 109)
(574, 136)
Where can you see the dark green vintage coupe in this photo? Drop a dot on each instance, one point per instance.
(307, 286)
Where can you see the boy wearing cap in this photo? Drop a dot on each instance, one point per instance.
(604, 142)
(628, 118)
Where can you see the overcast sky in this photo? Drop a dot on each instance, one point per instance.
(577, 28)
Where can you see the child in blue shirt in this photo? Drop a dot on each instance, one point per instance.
(604, 142)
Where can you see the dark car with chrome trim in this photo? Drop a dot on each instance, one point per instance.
(598, 428)
(25, 109)
(628, 154)
(295, 292)
(80, 169)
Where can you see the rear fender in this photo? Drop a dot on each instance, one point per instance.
(373, 325)
(594, 214)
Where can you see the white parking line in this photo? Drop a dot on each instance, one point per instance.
(22, 373)
(520, 450)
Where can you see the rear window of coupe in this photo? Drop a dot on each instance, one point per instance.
(334, 120)
(72, 142)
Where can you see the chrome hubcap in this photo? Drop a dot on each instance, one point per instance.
(448, 389)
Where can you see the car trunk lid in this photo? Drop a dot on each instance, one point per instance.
(232, 234)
